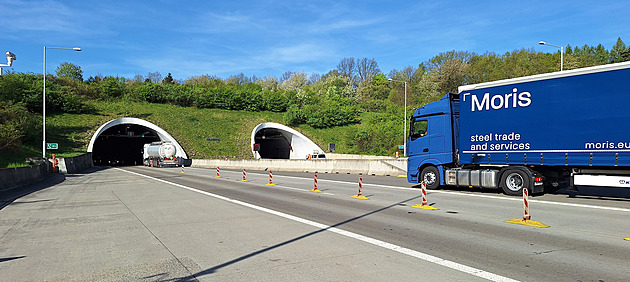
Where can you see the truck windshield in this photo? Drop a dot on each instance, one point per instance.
(418, 129)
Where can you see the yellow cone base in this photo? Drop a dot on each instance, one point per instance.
(401, 176)
(425, 207)
(270, 184)
(627, 239)
(316, 191)
(217, 176)
(360, 197)
(527, 222)
(244, 181)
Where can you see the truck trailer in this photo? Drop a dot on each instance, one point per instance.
(161, 154)
(542, 132)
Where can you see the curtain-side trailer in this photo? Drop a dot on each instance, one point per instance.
(543, 132)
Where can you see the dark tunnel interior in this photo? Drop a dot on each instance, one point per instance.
(273, 145)
(122, 145)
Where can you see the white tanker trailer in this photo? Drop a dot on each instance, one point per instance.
(160, 154)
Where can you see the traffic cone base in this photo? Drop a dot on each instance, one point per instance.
(270, 184)
(315, 190)
(425, 207)
(527, 222)
(361, 197)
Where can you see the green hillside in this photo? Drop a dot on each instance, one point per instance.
(356, 105)
(190, 126)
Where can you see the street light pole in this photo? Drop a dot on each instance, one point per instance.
(561, 52)
(44, 98)
(404, 119)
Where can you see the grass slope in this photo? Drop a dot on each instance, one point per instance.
(189, 126)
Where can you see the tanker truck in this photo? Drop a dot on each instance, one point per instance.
(161, 154)
(542, 132)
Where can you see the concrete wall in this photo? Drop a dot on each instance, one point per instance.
(75, 164)
(352, 166)
(15, 177)
(335, 156)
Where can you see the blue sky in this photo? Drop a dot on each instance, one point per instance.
(225, 38)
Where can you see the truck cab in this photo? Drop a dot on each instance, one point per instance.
(433, 140)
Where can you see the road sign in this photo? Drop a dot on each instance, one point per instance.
(401, 147)
(52, 146)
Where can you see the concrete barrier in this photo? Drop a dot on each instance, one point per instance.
(350, 166)
(20, 176)
(75, 164)
(15, 177)
(335, 156)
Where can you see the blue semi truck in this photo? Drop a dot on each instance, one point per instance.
(543, 132)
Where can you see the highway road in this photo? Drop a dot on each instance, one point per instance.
(226, 229)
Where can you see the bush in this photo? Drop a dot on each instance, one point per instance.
(16, 123)
(151, 92)
(111, 87)
(178, 94)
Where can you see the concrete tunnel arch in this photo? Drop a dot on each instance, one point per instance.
(278, 141)
(120, 141)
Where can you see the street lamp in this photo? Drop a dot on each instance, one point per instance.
(10, 59)
(561, 52)
(404, 119)
(44, 99)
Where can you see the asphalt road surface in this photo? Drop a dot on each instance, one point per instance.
(150, 224)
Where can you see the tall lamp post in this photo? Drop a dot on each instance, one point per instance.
(44, 98)
(561, 52)
(404, 119)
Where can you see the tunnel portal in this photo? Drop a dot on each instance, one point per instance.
(273, 144)
(121, 141)
(122, 145)
(272, 140)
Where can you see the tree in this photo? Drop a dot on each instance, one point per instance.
(296, 81)
(70, 70)
(450, 68)
(15, 124)
(168, 79)
(366, 69)
(269, 83)
(618, 51)
(347, 68)
(239, 79)
(154, 77)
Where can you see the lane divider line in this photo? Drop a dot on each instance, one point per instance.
(413, 253)
(475, 195)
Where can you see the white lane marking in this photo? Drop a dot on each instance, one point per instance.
(471, 195)
(413, 253)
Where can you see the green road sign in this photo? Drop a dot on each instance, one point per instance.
(52, 146)
(401, 147)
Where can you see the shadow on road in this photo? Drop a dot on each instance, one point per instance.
(193, 277)
(598, 193)
(7, 197)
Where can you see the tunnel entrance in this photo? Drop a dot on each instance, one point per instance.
(122, 145)
(273, 144)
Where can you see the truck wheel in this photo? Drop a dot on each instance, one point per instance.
(431, 176)
(513, 181)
